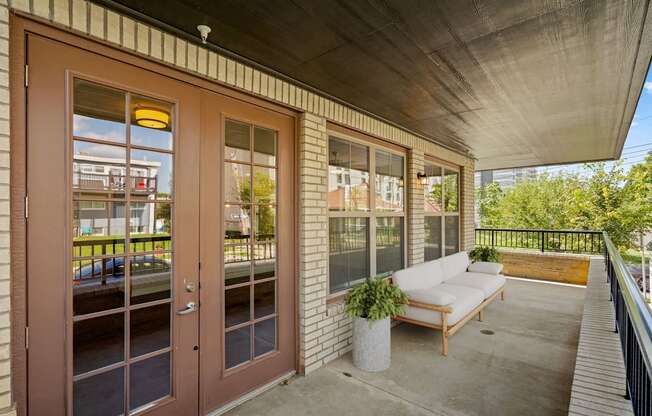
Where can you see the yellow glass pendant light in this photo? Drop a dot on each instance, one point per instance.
(152, 118)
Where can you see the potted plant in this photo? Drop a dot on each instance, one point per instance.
(484, 253)
(371, 305)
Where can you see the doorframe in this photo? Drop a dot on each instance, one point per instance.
(20, 24)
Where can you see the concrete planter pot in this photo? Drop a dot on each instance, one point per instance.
(371, 344)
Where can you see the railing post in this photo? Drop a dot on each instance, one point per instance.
(542, 239)
(492, 237)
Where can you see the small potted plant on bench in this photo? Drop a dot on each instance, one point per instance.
(371, 305)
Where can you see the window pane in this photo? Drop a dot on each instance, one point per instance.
(349, 252)
(98, 285)
(149, 380)
(237, 263)
(151, 175)
(265, 222)
(452, 234)
(236, 305)
(432, 190)
(237, 348)
(151, 123)
(265, 260)
(98, 342)
(149, 329)
(150, 226)
(451, 195)
(99, 112)
(264, 185)
(150, 277)
(237, 183)
(264, 337)
(389, 244)
(432, 246)
(102, 394)
(348, 176)
(264, 146)
(99, 169)
(98, 228)
(237, 224)
(264, 299)
(389, 182)
(237, 141)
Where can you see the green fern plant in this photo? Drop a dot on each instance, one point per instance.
(375, 299)
(484, 253)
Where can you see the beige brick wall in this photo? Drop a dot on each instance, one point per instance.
(325, 332)
(467, 239)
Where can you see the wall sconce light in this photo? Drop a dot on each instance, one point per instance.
(422, 178)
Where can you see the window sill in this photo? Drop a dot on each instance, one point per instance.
(336, 298)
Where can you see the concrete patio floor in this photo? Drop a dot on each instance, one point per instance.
(524, 368)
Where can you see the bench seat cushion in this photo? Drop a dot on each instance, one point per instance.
(466, 299)
(487, 283)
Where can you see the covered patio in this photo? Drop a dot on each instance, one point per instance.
(519, 360)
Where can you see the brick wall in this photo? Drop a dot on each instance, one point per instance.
(324, 330)
(555, 267)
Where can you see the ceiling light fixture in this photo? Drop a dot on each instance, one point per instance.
(152, 118)
(203, 32)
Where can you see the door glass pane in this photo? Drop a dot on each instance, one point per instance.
(151, 123)
(237, 346)
(99, 112)
(150, 380)
(348, 176)
(452, 232)
(98, 170)
(265, 222)
(264, 146)
(151, 276)
(98, 228)
(98, 285)
(264, 185)
(237, 224)
(349, 252)
(236, 305)
(151, 175)
(237, 141)
(237, 183)
(432, 190)
(264, 337)
(264, 299)
(149, 329)
(102, 394)
(451, 195)
(237, 263)
(150, 226)
(265, 268)
(389, 244)
(432, 248)
(98, 342)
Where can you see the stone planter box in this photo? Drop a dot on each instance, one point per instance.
(371, 344)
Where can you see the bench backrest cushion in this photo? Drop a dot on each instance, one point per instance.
(420, 276)
(455, 264)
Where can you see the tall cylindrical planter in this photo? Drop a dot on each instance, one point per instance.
(371, 344)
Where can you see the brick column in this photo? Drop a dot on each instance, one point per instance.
(468, 206)
(415, 221)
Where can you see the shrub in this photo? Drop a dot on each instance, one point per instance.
(484, 253)
(375, 299)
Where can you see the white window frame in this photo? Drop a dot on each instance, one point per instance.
(443, 166)
(371, 213)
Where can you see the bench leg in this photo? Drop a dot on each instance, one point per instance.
(502, 295)
(444, 334)
(481, 315)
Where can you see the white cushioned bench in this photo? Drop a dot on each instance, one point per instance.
(445, 293)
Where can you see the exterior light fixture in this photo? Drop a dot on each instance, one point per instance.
(422, 178)
(152, 118)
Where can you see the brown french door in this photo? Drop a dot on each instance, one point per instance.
(160, 275)
(247, 241)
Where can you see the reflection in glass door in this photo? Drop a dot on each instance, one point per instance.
(250, 318)
(122, 202)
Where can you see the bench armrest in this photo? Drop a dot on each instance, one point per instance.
(486, 267)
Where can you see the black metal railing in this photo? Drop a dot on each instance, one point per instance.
(634, 326)
(568, 241)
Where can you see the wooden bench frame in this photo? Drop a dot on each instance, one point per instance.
(448, 331)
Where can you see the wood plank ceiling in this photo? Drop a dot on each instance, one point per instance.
(511, 82)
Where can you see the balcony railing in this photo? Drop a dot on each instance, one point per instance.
(634, 326)
(571, 241)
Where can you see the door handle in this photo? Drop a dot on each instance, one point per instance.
(190, 308)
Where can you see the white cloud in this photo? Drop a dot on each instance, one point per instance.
(648, 86)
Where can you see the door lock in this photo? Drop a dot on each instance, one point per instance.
(190, 308)
(190, 287)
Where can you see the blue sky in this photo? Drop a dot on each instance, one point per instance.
(639, 137)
